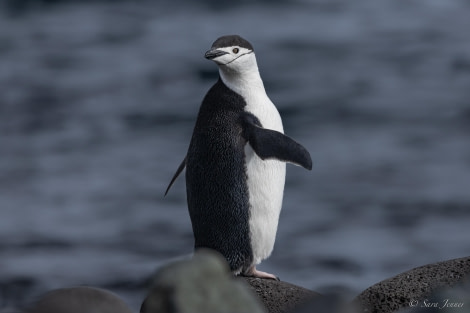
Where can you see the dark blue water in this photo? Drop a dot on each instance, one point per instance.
(97, 106)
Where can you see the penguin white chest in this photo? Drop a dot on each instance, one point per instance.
(265, 183)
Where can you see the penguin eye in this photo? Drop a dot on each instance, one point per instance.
(235, 50)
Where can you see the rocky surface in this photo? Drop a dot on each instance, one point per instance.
(455, 299)
(328, 304)
(174, 293)
(279, 296)
(201, 284)
(414, 286)
(204, 284)
(79, 300)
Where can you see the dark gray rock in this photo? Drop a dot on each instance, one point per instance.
(278, 296)
(79, 300)
(204, 284)
(328, 304)
(455, 299)
(418, 284)
(201, 284)
(10, 310)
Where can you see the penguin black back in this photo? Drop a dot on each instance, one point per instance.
(219, 207)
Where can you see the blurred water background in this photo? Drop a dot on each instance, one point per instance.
(97, 105)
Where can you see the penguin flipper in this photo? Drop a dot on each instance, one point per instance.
(271, 144)
(178, 172)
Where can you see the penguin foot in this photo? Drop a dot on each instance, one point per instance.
(253, 272)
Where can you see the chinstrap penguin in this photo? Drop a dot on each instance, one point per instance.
(235, 164)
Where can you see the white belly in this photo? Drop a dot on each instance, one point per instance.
(266, 180)
(266, 188)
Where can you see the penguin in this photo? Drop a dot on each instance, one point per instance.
(236, 162)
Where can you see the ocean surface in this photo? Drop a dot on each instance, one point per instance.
(97, 105)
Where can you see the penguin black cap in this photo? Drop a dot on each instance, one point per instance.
(231, 40)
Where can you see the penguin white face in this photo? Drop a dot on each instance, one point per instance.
(232, 53)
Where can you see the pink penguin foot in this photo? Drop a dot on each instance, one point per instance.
(253, 272)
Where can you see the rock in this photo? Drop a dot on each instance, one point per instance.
(455, 299)
(329, 304)
(278, 296)
(10, 310)
(79, 300)
(417, 284)
(201, 284)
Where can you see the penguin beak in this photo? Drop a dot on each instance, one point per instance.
(214, 53)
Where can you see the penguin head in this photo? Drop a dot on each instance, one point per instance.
(232, 53)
